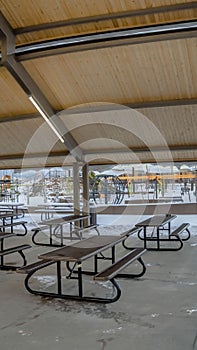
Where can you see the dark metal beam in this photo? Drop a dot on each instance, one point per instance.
(108, 107)
(19, 117)
(19, 156)
(107, 17)
(134, 105)
(171, 148)
(140, 35)
(108, 151)
(30, 87)
(146, 161)
(165, 103)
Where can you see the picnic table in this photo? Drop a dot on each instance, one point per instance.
(159, 224)
(15, 206)
(47, 210)
(79, 253)
(8, 222)
(55, 227)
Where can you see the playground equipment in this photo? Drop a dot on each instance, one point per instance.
(107, 189)
(9, 189)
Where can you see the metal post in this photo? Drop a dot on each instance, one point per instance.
(59, 284)
(80, 280)
(76, 187)
(86, 207)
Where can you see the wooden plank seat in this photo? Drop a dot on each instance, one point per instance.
(6, 235)
(183, 227)
(114, 270)
(16, 249)
(30, 269)
(14, 224)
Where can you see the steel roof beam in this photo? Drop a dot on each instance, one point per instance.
(139, 35)
(30, 87)
(171, 148)
(133, 105)
(33, 155)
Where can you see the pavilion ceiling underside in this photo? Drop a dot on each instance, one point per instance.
(130, 74)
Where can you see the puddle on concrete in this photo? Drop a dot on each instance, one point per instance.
(193, 245)
(100, 311)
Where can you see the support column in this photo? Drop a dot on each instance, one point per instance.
(76, 188)
(86, 206)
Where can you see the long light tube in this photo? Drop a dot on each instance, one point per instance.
(39, 109)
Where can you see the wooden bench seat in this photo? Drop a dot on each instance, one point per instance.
(114, 270)
(180, 229)
(30, 268)
(16, 249)
(6, 235)
(14, 224)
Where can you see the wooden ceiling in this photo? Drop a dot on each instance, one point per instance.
(119, 76)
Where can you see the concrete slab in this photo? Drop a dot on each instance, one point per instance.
(158, 311)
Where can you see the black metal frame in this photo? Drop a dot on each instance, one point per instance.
(4, 266)
(142, 235)
(80, 297)
(12, 225)
(53, 231)
(12, 267)
(25, 227)
(51, 239)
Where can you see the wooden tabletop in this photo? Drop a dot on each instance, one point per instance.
(11, 204)
(157, 220)
(49, 205)
(6, 215)
(63, 220)
(82, 250)
(6, 235)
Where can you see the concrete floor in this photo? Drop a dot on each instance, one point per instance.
(155, 312)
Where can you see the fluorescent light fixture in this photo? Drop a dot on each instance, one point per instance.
(39, 109)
